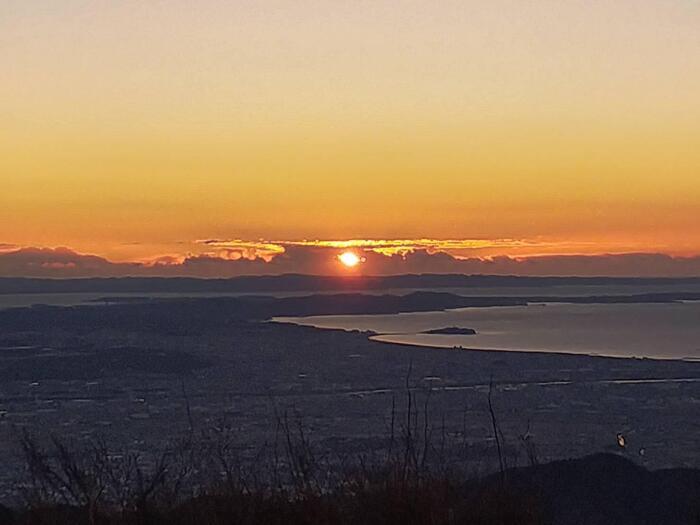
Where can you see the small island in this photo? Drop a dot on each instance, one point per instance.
(451, 330)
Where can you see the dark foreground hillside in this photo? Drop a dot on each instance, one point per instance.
(608, 489)
(601, 489)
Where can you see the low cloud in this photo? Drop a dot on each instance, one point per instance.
(60, 262)
(231, 261)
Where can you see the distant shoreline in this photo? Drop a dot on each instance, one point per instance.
(379, 339)
(314, 283)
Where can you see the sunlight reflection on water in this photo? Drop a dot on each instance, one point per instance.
(668, 331)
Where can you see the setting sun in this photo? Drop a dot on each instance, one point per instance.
(349, 259)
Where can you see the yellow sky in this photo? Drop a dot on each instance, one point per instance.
(132, 128)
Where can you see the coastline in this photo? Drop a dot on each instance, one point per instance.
(387, 339)
(121, 368)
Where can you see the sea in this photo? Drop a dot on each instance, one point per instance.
(640, 330)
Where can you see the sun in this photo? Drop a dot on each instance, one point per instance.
(349, 259)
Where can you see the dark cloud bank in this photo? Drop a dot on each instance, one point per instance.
(66, 263)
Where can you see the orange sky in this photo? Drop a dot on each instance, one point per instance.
(134, 129)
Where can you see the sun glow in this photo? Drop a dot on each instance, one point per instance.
(349, 259)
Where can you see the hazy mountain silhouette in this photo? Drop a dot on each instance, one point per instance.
(310, 283)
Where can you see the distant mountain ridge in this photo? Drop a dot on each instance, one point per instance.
(310, 283)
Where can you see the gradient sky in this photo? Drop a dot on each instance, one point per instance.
(134, 129)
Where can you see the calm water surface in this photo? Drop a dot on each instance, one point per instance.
(668, 331)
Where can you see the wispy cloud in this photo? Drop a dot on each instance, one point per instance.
(238, 248)
(382, 246)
